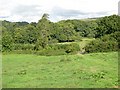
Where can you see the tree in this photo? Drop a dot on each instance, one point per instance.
(44, 28)
(65, 32)
(19, 35)
(107, 25)
(30, 34)
(45, 16)
(7, 42)
(85, 28)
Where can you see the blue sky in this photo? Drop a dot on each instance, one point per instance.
(32, 10)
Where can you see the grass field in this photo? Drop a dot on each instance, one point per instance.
(96, 70)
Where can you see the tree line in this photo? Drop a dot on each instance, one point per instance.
(46, 34)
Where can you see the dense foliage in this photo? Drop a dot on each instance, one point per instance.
(108, 35)
(108, 25)
(46, 34)
(105, 43)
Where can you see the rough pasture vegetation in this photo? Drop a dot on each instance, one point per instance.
(30, 49)
(96, 70)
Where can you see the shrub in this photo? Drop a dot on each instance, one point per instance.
(24, 46)
(116, 35)
(59, 49)
(50, 52)
(22, 52)
(103, 44)
(68, 48)
(7, 42)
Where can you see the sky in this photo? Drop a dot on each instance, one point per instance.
(32, 10)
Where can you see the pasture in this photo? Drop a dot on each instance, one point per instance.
(95, 70)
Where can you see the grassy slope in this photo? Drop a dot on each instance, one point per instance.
(90, 70)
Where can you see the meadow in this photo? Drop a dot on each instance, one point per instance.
(65, 54)
(95, 70)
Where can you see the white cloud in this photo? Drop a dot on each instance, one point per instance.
(32, 10)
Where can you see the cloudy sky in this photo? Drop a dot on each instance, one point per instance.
(32, 10)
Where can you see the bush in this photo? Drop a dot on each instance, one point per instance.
(68, 48)
(50, 52)
(59, 49)
(7, 42)
(24, 46)
(104, 44)
(116, 35)
(22, 52)
(71, 48)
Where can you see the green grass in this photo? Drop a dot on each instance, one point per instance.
(96, 70)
